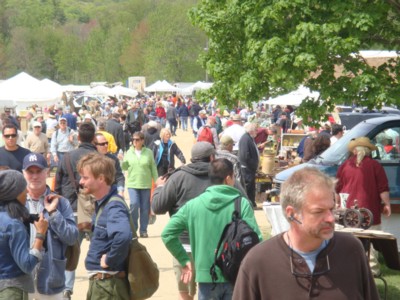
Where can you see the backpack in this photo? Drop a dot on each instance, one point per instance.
(236, 240)
(206, 135)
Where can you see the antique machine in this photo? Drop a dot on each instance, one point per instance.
(354, 217)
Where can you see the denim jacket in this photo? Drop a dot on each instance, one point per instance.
(111, 235)
(16, 258)
(62, 232)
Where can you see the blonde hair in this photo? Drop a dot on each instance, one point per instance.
(164, 131)
(361, 153)
(98, 164)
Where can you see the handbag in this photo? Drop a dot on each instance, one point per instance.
(85, 202)
(143, 273)
(72, 254)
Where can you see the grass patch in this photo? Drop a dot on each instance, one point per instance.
(392, 278)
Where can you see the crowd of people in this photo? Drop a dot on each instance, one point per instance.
(103, 151)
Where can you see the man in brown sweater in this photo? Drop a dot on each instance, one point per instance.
(310, 260)
(37, 141)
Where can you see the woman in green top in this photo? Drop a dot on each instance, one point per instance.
(142, 169)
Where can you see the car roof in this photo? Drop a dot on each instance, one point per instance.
(380, 120)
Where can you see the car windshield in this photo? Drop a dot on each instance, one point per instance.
(338, 152)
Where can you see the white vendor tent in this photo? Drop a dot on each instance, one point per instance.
(161, 86)
(199, 85)
(23, 90)
(293, 98)
(100, 90)
(52, 86)
(124, 91)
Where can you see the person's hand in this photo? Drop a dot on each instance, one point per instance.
(160, 181)
(387, 211)
(51, 202)
(186, 273)
(41, 225)
(55, 158)
(120, 155)
(71, 138)
(103, 261)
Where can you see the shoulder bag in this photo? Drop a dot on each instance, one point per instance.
(85, 202)
(143, 273)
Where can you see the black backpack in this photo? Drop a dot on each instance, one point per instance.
(237, 239)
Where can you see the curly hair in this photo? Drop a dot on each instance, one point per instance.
(320, 144)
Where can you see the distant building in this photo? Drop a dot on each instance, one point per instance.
(137, 83)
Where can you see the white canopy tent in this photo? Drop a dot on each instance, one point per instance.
(23, 90)
(161, 86)
(199, 85)
(293, 98)
(124, 91)
(52, 85)
(100, 90)
(75, 88)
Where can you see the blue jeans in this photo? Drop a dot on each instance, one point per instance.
(222, 291)
(140, 204)
(184, 122)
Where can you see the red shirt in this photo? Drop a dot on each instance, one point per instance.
(364, 183)
(160, 112)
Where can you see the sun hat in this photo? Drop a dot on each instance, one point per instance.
(236, 118)
(226, 140)
(361, 141)
(36, 124)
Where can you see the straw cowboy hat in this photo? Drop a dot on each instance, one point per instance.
(361, 141)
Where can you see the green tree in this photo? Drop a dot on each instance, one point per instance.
(173, 44)
(269, 47)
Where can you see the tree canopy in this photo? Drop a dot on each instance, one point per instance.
(262, 48)
(73, 41)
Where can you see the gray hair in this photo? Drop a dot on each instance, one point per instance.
(250, 127)
(296, 188)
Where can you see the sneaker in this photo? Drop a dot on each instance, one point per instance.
(144, 235)
(67, 295)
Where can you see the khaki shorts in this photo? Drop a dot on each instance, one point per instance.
(189, 288)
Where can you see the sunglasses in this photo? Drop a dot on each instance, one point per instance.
(136, 139)
(7, 136)
(102, 144)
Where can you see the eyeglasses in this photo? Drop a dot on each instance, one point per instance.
(102, 144)
(308, 275)
(135, 140)
(36, 127)
(8, 136)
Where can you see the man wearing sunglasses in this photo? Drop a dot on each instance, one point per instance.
(11, 154)
(310, 260)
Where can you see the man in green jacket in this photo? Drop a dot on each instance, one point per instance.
(205, 218)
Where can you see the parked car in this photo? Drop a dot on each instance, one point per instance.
(378, 130)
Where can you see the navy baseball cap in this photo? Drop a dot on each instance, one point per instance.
(34, 159)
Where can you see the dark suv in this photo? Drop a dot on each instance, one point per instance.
(381, 131)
